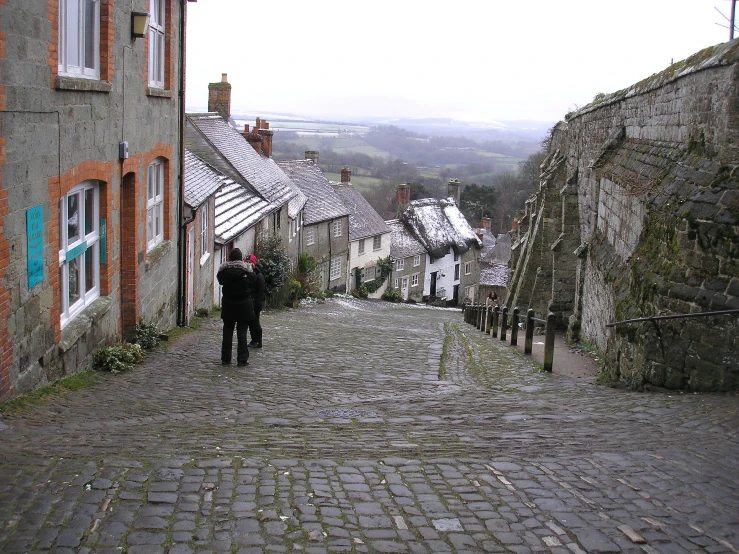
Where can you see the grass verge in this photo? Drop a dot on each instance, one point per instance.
(82, 380)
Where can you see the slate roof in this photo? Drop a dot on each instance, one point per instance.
(213, 140)
(237, 209)
(323, 203)
(494, 274)
(201, 180)
(364, 221)
(402, 242)
(438, 225)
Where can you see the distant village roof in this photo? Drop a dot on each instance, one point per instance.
(323, 203)
(494, 274)
(402, 242)
(364, 221)
(488, 242)
(439, 225)
(213, 140)
(201, 180)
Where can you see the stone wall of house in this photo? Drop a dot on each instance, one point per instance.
(640, 220)
(326, 247)
(57, 132)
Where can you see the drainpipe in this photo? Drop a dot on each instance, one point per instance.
(181, 222)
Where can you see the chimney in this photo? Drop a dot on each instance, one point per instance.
(266, 135)
(478, 232)
(404, 195)
(453, 190)
(246, 133)
(256, 142)
(258, 124)
(486, 223)
(346, 175)
(219, 98)
(312, 155)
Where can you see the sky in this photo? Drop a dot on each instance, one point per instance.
(483, 60)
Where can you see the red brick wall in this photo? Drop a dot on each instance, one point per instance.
(6, 346)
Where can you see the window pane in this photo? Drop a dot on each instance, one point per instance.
(89, 35)
(73, 218)
(149, 224)
(73, 32)
(157, 221)
(89, 270)
(89, 210)
(74, 280)
(150, 183)
(158, 180)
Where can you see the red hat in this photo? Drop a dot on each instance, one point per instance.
(253, 259)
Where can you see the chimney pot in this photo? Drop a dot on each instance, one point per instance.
(224, 78)
(404, 195)
(486, 223)
(346, 175)
(246, 128)
(453, 190)
(312, 155)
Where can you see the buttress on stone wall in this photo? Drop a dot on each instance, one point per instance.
(637, 215)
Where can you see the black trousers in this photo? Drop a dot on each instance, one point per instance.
(255, 327)
(242, 350)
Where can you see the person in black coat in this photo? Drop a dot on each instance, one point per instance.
(237, 306)
(260, 294)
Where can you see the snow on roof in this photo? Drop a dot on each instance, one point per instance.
(494, 274)
(213, 140)
(402, 242)
(237, 209)
(323, 203)
(439, 225)
(201, 180)
(364, 221)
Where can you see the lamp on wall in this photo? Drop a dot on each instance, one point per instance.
(139, 24)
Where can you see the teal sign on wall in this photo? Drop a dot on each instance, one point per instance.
(35, 240)
(103, 242)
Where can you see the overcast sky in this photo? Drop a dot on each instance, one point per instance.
(470, 60)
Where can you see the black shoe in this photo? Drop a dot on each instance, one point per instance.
(242, 364)
(255, 345)
(225, 363)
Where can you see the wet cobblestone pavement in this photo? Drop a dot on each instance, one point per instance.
(367, 427)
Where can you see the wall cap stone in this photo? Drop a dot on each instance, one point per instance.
(83, 322)
(63, 82)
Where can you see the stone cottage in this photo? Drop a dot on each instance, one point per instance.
(90, 193)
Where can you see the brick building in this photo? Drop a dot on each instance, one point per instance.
(90, 162)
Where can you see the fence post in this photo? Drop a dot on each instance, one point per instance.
(514, 327)
(488, 319)
(496, 312)
(478, 317)
(529, 344)
(483, 316)
(549, 343)
(504, 323)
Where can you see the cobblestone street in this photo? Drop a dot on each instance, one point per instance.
(367, 427)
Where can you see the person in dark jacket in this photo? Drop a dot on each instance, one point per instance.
(237, 307)
(260, 294)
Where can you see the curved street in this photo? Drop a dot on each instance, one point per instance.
(367, 427)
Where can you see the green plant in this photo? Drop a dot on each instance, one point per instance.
(296, 292)
(77, 381)
(392, 295)
(146, 335)
(202, 312)
(275, 266)
(118, 358)
(328, 293)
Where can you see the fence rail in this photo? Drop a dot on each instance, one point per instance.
(494, 321)
(675, 316)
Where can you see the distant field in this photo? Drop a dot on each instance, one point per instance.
(362, 183)
(363, 149)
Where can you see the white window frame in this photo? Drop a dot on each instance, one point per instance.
(395, 284)
(335, 272)
(361, 246)
(404, 284)
(416, 260)
(414, 280)
(377, 242)
(310, 236)
(468, 292)
(400, 264)
(78, 250)
(467, 268)
(204, 231)
(337, 228)
(154, 204)
(73, 11)
(156, 43)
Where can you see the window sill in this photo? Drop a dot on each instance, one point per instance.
(204, 259)
(159, 92)
(83, 322)
(157, 253)
(65, 82)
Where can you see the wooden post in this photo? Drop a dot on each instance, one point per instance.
(514, 327)
(529, 344)
(496, 312)
(483, 317)
(478, 317)
(504, 323)
(549, 343)
(488, 319)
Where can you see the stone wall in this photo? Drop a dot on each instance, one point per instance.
(640, 220)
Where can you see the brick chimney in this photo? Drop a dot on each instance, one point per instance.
(245, 133)
(404, 195)
(346, 175)
(255, 140)
(312, 155)
(266, 134)
(219, 98)
(486, 223)
(453, 190)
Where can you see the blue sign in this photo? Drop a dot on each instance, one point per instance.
(76, 251)
(35, 241)
(103, 243)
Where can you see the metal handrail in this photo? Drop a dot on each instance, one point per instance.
(676, 316)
